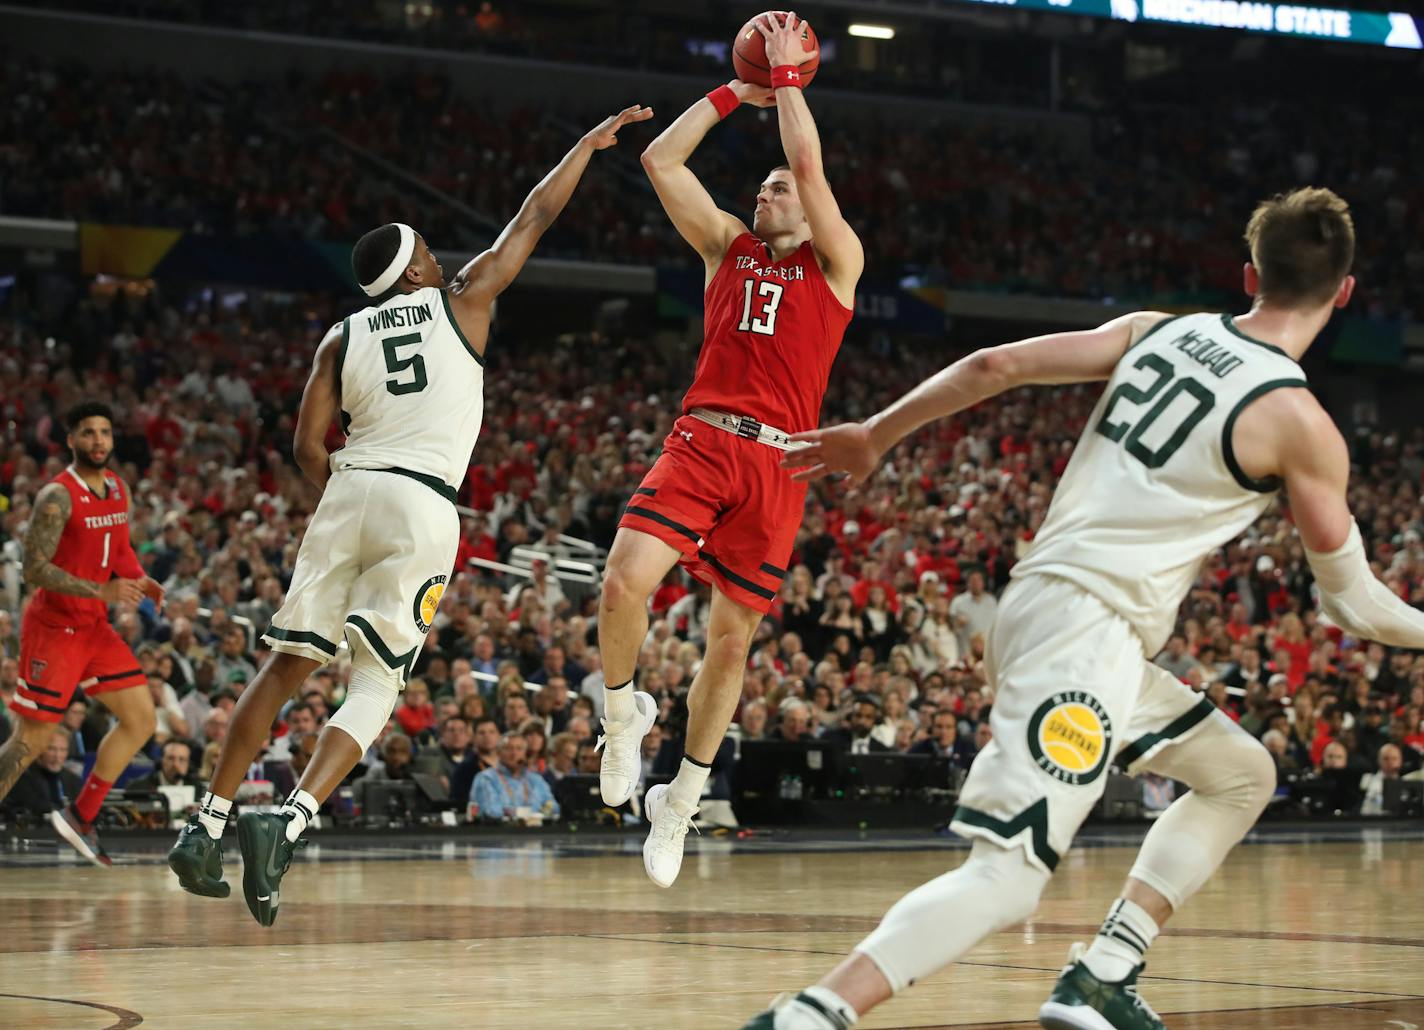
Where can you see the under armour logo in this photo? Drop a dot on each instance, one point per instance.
(84, 498)
(684, 434)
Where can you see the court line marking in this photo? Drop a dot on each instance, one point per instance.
(127, 1019)
(1354, 1006)
(999, 965)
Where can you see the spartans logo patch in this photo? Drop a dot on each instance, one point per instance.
(1070, 737)
(427, 602)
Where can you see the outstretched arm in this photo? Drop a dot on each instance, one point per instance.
(1315, 465)
(1060, 358)
(490, 273)
(831, 234)
(698, 220)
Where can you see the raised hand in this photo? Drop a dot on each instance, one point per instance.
(846, 448)
(786, 40)
(606, 133)
(751, 93)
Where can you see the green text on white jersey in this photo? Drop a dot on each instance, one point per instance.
(1153, 486)
(412, 388)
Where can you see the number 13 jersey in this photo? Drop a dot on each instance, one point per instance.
(1153, 486)
(412, 388)
(771, 333)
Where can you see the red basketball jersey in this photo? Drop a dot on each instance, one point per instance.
(772, 330)
(94, 542)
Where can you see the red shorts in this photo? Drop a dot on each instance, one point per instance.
(727, 504)
(56, 659)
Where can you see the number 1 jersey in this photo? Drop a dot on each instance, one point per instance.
(771, 333)
(94, 546)
(1154, 486)
(412, 388)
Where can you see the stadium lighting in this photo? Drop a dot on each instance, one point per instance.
(872, 31)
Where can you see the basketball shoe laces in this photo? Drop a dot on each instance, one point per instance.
(621, 753)
(671, 827)
(1139, 1003)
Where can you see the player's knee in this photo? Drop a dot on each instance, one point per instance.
(370, 699)
(1243, 774)
(726, 649)
(141, 724)
(1007, 875)
(621, 591)
(35, 735)
(1258, 778)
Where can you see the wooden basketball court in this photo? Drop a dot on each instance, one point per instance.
(536, 932)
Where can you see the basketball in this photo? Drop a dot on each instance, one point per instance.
(749, 52)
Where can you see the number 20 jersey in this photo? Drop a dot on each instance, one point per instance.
(771, 331)
(1153, 486)
(412, 388)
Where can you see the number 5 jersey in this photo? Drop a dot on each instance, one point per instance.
(412, 388)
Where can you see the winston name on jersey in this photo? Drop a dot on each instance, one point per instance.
(412, 388)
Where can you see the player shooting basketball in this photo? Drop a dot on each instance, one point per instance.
(778, 300)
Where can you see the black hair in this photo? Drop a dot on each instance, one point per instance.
(373, 254)
(87, 409)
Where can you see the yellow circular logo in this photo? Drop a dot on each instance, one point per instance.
(1070, 737)
(427, 602)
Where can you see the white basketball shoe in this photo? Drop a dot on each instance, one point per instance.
(670, 821)
(622, 763)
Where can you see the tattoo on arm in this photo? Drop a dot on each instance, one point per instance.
(52, 509)
(14, 759)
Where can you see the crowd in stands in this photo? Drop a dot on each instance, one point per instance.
(934, 61)
(876, 641)
(1150, 208)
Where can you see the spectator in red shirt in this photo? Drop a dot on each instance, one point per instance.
(872, 576)
(415, 714)
(163, 431)
(475, 542)
(1332, 722)
(671, 591)
(1238, 627)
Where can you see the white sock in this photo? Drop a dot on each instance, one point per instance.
(618, 702)
(815, 1008)
(1122, 943)
(302, 808)
(213, 815)
(687, 785)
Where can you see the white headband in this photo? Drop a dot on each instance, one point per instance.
(398, 264)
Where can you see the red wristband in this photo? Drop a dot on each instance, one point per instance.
(785, 75)
(725, 100)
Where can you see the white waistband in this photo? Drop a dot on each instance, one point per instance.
(747, 427)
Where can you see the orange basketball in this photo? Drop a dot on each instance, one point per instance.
(749, 52)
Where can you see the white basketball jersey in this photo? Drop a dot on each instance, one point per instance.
(1154, 487)
(412, 388)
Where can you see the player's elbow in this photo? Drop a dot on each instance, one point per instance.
(997, 369)
(653, 158)
(310, 454)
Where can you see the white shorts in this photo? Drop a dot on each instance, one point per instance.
(1073, 694)
(373, 565)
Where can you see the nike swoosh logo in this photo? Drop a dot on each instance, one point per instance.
(272, 867)
(264, 897)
